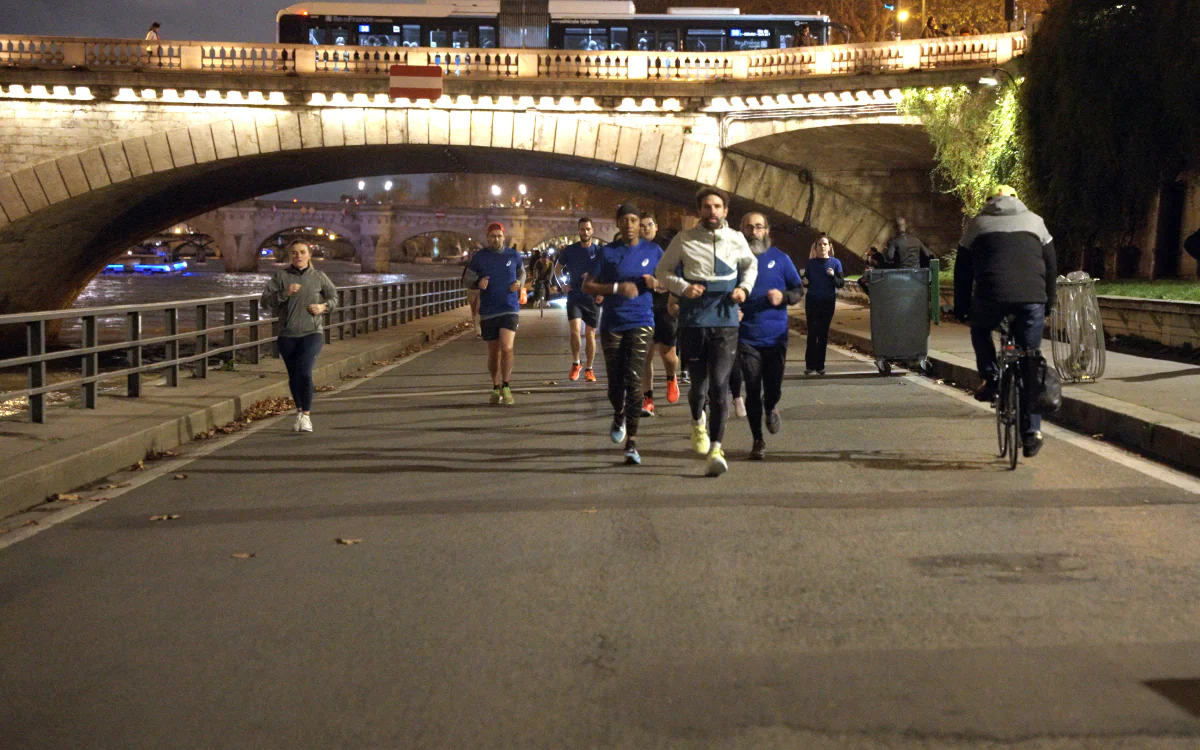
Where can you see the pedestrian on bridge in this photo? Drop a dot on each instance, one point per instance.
(625, 280)
(300, 295)
(906, 250)
(823, 276)
(666, 331)
(499, 274)
(583, 314)
(711, 269)
(152, 34)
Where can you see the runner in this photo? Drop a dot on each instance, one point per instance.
(625, 279)
(583, 316)
(472, 295)
(666, 330)
(711, 269)
(498, 273)
(763, 334)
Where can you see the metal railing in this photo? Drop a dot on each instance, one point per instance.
(242, 330)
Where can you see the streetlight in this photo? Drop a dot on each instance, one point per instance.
(388, 185)
(993, 81)
(901, 17)
(362, 185)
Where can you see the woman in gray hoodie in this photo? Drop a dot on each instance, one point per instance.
(300, 295)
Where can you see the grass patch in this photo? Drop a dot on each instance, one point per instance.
(1168, 289)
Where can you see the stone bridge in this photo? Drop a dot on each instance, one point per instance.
(377, 231)
(103, 142)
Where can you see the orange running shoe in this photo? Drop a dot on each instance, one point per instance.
(589, 375)
(648, 407)
(672, 390)
(575, 370)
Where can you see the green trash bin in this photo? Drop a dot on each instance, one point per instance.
(903, 304)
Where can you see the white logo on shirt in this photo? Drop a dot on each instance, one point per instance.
(645, 262)
(771, 264)
(506, 265)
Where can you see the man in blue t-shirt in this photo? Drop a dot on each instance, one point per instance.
(763, 333)
(583, 315)
(498, 273)
(625, 279)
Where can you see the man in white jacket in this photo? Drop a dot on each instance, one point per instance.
(712, 270)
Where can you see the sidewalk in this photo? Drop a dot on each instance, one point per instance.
(1147, 405)
(79, 446)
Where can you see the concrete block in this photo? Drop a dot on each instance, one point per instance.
(94, 169)
(418, 126)
(627, 146)
(245, 135)
(564, 135)
(268, 132)
(202, 143)
(606, 142)
(31, 189)
(523, 124)
(586, 132)
(180, 144)
(648, 150)
(289, 132)
(224, 140)
(332, 133)
(481, 128)
(354, 130)
(397, 126)
(668, 154)
(52, 181)
(710, 165)
(117, 162)
(545, 126)
(860, 237)
(439, 127)
(159, 151)
(730, 172)
(312, 133)
(690, 154)
(769, 187)
(502, 130)
(750, 179)
(11, 200)
(460, 127)
(73, 175)
(375, 126)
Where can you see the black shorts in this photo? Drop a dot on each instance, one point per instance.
(666, 328)
(585, 309)
(489, 328)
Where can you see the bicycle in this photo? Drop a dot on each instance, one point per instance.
(1008, 396)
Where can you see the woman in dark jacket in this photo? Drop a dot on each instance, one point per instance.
(823, 276)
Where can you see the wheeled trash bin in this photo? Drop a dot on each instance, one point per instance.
(903, 304)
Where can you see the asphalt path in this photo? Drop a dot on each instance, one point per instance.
(881, 580)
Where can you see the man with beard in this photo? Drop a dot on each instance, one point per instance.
(666, 331)
(711, 269)
(763, 335)
(498, 273)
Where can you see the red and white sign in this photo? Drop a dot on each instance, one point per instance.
(439, 214)
(415, 82)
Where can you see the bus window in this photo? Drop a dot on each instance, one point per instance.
(585, 39)
(704, 40)
(620, 39)
(338, 36)
(460, 38)
(786, 39)
(742, 39)
(439, 38)
(487, 37)
(411, 35)
(645, 41)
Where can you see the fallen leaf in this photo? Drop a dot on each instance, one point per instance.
(139, 466)
(341, 540)
(64, 496)
(112, 486)
(1098, 436)
(97, 499)
(180, 476)
(165, 517)
(589, 510)
(243, 555)
(325, 388)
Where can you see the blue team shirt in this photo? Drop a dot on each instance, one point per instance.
(621, 262)
(820, 284)
(577, 260)
(764, 324)
(501, 268)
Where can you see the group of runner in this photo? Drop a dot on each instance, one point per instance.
(720, 293)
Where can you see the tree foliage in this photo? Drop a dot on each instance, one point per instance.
(1112, 109)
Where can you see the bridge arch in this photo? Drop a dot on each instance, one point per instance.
(58, 238)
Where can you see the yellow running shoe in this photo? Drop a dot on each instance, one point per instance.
(506, 396)
(700, 436)
(716, 465)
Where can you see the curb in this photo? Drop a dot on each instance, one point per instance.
(31, 487)
(1163, 437)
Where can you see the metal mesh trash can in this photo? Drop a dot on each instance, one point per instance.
(900, 315)
(1076, 329)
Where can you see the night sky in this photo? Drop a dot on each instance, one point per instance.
(208, 20)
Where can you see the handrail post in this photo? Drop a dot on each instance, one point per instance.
(172, 347)
(201, 368)
(36, 341)
(255, 332)
(404, 301)
(134, 379)
(341, 314)
(394, 293)
(230, 334)
(91, 361)
(355, 313)
(375, 307)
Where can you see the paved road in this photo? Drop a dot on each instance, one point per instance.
(881, 581)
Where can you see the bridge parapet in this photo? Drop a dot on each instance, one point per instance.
(492, 64)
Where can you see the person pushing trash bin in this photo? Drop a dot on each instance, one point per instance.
(906, 250)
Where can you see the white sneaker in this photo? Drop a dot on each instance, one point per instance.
(298, 423)
(305, 423)
(739, 406)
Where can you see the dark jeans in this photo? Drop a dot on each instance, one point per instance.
(1026, 331)
(761, 368)
(624, 360)
(299, 354)
(819, 314)
(708, 354)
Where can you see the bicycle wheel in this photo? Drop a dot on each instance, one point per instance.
(1012, 417)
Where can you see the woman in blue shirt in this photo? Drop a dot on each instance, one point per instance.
(625, 279)
(823, 277)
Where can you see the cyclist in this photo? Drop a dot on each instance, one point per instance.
(1006, 265)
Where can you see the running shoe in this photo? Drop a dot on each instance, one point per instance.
(700, 442)
(617, 433)
(506, 396)
(305, 423)
(495, 397)
(575, 370)
(589, 375)
(672, 390)
(632, 458)
(648, 407)
(739, 406)
(759, 451)
(299, 421)
(685, 378)
(774, 422)
(716, 465)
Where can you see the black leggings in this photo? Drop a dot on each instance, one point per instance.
(708, 354)
(762, 370)
(624, 360)
(299, 355)
(819, 314)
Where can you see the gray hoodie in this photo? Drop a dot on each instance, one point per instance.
(294, 318)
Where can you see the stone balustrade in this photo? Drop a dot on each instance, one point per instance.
(57, 53)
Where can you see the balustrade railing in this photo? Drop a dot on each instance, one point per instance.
(611, 65)
(170, 336)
